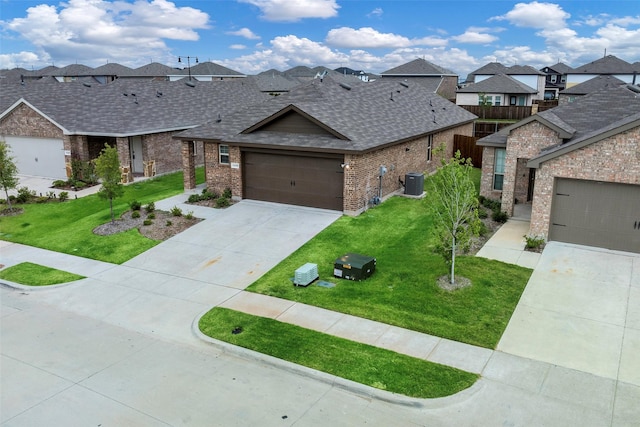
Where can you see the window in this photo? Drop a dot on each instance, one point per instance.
(563, 79)
(512, 100)
(553, 78)
(521, 101)
(429, 147)
(195, 148)
(223, 151)
(498, 101)
(498, 168)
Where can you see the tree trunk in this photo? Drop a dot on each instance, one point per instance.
(111, 207)
(453, 262)
(8, 199)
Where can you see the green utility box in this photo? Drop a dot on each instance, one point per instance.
(354, 266)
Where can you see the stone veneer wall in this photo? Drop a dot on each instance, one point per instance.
(166, 151)
(220, 176)
(615, 159)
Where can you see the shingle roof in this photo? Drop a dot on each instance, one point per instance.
(74, 70)
(274, 82)
(369, 115)
(560, 68)
(111, 69)
(523, 70)
(132, 107)
(418, 67)
(592, 85)
(607, 65)
(209, 68)
(154, 69)
(500, 83)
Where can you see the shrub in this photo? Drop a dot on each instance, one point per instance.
(168, 223)
(59, 183)
(189, 215)
(24, 195)
(227, 193)
(79, 185)
(135, 205)
(534, 242)
(151, 207)
(482, 213)
(209, 195)
(64, 195)
(193, 198)
(147, 222)
(151, 216)
(499, 216)
(481, 200)
(176, 211)
(135, 214)
(42, 199)
(222, 202)
(483, 229)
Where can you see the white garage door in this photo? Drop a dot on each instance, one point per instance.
(38, 156)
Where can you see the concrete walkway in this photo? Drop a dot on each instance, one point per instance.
(145, 366)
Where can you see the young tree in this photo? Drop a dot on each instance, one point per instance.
(8, 170)
(454, 204)
(108, 170)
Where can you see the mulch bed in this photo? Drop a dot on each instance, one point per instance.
(164, 226)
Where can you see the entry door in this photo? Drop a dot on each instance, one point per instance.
(135, 148)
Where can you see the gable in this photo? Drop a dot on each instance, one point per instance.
(23, 119)
(294, 121)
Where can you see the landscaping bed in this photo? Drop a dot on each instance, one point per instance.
(163, 225)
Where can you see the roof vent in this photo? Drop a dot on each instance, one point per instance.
(636, 89)
(345, 86)
(219, 119)
(404, 84)
(85, 84)
(190, 83)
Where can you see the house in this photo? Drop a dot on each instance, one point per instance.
(497, 90)
(326, 143)
(578, 165)
(592, 85)
(525, 74)
(435, 78)
(556, 79)
(606, 66)
(205, 72)
(49, 124)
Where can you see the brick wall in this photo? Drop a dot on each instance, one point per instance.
(524, 142)
(615, 159)
(23, 121)
(221, 176)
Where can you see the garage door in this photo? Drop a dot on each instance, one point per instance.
(293, 179)
(593, 213)
(38, 156)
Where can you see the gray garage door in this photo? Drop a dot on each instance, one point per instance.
(593, 213)
(38, 156)
(293, 179)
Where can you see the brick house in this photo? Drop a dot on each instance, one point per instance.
(578, 165)
(47, 124)
(327, 144)
(435, 78)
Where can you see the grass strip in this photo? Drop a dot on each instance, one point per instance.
(27, 273)
(362, 363)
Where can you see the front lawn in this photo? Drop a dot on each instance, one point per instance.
(67, 227)
(27, 273)
(362, 363)
(403, 291)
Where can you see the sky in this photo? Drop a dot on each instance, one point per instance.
(251, 36)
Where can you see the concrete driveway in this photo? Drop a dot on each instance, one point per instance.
(581, 310)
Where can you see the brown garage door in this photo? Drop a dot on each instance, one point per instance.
(593, 213)
(293, 179)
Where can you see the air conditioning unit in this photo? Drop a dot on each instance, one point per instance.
(305, 274)
(414, 184)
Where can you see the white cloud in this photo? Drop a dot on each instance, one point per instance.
(237, 46)
(377, 12)
(21, 59)
(368, 37)
(295, 10)
(97, 31)
(474, 37)
(244, 32)
(535, 15)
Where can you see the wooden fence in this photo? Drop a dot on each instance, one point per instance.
(468, 148)
(509, 112)
(483, 129)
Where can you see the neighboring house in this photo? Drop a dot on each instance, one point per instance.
(433, 77)
(205, 72)
(346, 71)
(556, 80)
(579, 166)
(593, 85)
(525, 74)
(49, 124)
(327, 143)
(497, 90)
(607, 66)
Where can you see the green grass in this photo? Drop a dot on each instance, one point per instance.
(30, 274)
(67, 227)
(403, 291)
(362, 363)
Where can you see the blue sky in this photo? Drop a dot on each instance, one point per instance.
(251, 36)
